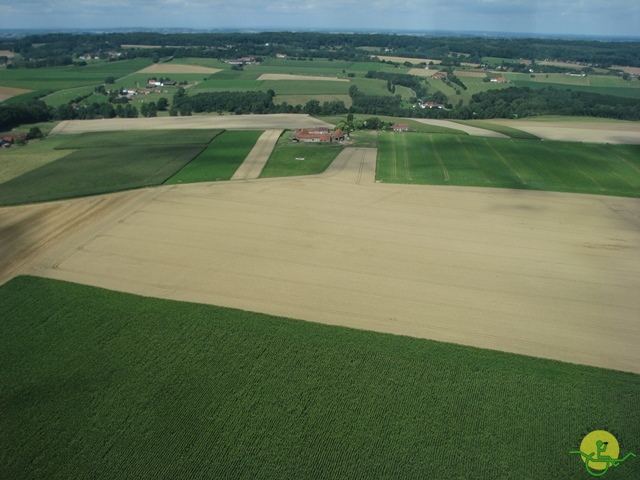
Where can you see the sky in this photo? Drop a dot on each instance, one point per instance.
(545, 17)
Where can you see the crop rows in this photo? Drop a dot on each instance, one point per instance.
(519, 164)
(107, 162)
(221, 158)
(100, 384)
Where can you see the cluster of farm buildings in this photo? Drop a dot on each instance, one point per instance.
(318, 135)
(9, 139)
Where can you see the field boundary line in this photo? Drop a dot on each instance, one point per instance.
(394, 160)
(437, 154)
(406, 157)
(505, 161)
(626, 162)
(473, 160)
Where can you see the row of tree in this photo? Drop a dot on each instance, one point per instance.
(58, 48)
(415, 83)
(513, 102)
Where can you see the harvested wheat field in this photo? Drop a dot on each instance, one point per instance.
(286, 76)
(544, 274)
(229, 122)
(178, 68)
(579, 131)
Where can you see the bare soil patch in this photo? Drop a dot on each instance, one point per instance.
(230, 122)
(8, 92)
(587, 132)
(178, 68)
(7, 53)
(544, 274)
(281, 76)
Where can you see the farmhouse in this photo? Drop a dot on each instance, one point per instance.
(432, 105)
(439, 76)
(499, 80)
(317, 135)
(8, 139)
(400, 127)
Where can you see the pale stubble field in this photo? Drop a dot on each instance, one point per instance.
(544, 274)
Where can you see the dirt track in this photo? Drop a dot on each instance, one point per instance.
(546, 274)
(280, 76)
(258, 156)
(476, 132)
(229, 122)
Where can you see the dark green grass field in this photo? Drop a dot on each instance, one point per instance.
(504, 129)
(220, 160)
(108, 162)
(512, 163)
(284, 162)
(99, 384)
(57, 78)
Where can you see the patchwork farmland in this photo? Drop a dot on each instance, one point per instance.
(217, 390)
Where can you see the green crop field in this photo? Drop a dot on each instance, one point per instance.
(504, 129)
(100, 384)
(105, 162)
(137, 137)
(513, 163)
(214, 84)
(289, 159)
(315, 64)
(58, 78)
(305, 87)
(220, 160)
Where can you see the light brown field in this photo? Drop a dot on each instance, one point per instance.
(8, 92)
(7, 53)
(283, 76)
(545, 274)
(631, 70)
(178, 68)
(387, 58)
(562, 64)
(229, 122)
(577, 131)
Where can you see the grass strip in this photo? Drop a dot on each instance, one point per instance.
(220, 160)
(290, 159)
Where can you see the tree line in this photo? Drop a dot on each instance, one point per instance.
(512, 102)
(60, 47)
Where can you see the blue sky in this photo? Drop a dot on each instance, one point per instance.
(579, 17)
